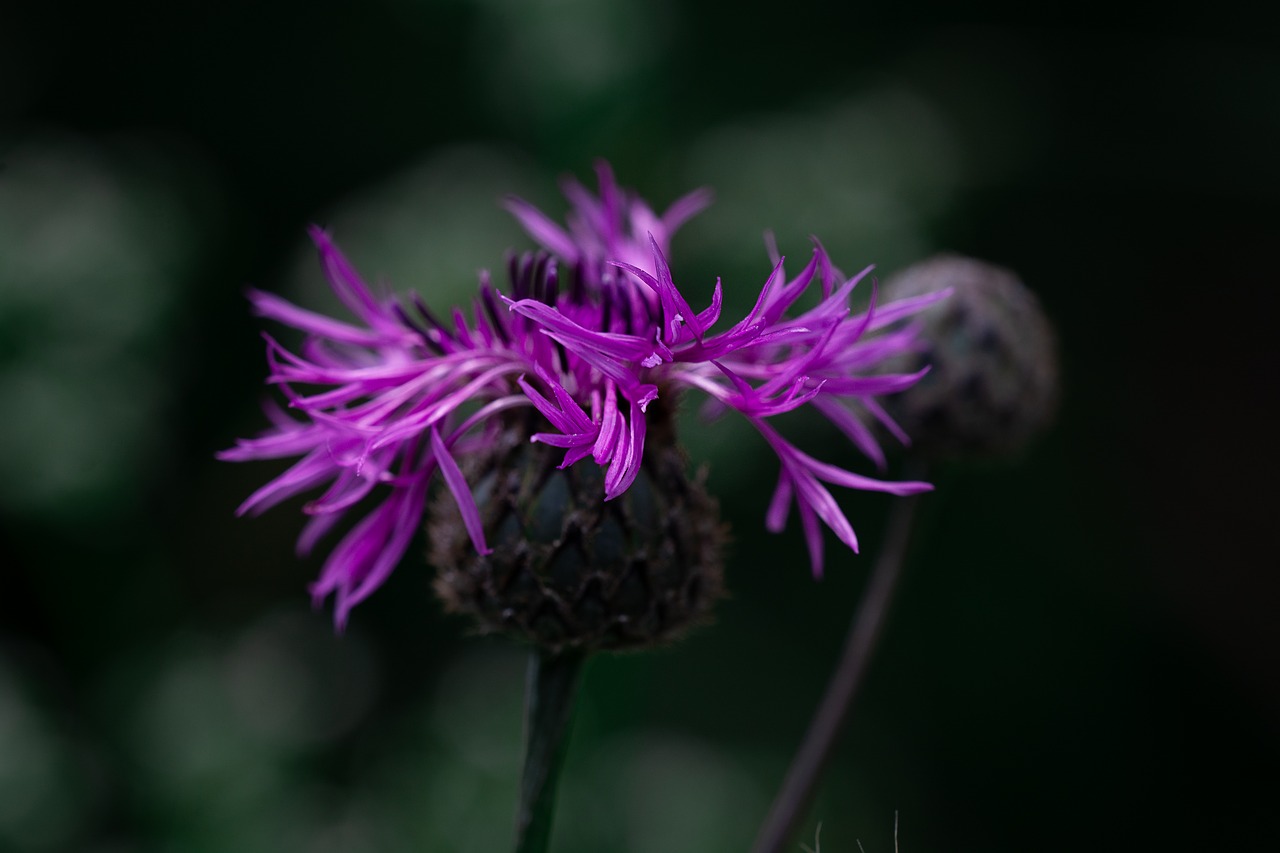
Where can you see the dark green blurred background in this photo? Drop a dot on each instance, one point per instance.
(1085, 655)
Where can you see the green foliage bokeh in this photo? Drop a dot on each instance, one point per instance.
(1083, 654)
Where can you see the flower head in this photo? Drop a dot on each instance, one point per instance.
(588, 335)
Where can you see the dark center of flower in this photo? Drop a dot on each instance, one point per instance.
(568, 568)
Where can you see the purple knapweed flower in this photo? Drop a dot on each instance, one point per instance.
(387, 402)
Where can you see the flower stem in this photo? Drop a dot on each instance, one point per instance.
(792, 802)
(550, 687)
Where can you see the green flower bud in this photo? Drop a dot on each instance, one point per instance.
(993, 378)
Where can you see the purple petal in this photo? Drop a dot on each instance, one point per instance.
(346, 282)
(623, 472)
(607, 441)
(542, 229)
(852, 426)
(461, 492)
(281, 310)
(685, 208)
(779, 505)
(812, 538)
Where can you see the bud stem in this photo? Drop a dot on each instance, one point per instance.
(792, 801)
(550, 687)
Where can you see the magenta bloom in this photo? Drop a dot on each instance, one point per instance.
(589, 336)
